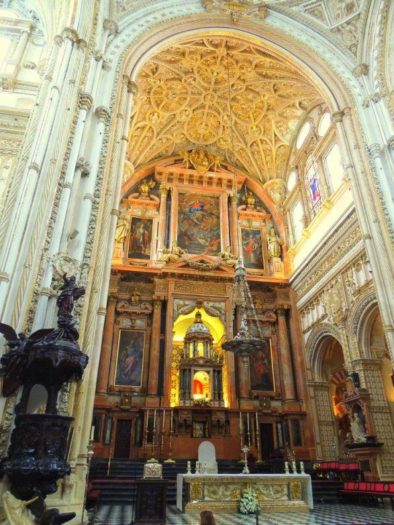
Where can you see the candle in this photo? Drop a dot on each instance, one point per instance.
(286, 467)
(92, 433)
(294, 467)
(302, 467)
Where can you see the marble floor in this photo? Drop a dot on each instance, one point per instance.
(321, 515)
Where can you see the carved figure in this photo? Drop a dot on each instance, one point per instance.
(274, 244)
(122, 227)
(173, 254)
(68, 293)
(145, 187)
(14, 361)
(357, 429)
(228, 258)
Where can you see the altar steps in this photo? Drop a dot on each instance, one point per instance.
(116, 481)
(327, 490)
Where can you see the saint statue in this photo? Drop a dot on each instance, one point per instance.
(274, 244)
(123, 226)
(69, 292)
(357, 429)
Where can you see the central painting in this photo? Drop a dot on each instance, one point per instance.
(199, 224)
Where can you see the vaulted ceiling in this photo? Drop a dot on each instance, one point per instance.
(224, 94)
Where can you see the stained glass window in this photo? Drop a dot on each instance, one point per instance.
(313, 187)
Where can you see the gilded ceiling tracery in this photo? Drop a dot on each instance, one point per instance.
(227, 95)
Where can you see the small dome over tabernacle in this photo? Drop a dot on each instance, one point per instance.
(198, 327)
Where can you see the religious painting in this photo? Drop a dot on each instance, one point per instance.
(199, 224)
(252, 248)
(130, 357)
(261, 371)
(140, 238)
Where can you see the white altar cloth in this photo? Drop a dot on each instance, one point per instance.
(305, 480)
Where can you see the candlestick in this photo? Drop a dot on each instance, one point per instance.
(286, 467)
(294, 467)
(164, 418)
(248, 428)
(92, 433)
(302, 467)
(245, 470)
(241, 430)
(189, 467)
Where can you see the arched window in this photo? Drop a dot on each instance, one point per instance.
(297, 220)
(324, 124)
(292, 180)
(313, 187)
(334, 167)
(302, 135)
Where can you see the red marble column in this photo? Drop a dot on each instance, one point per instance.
(154, 357)
(106, 346)
(285, 361)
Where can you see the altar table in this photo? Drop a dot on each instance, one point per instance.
(276, 492)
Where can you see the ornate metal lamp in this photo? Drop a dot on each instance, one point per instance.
(244, 342)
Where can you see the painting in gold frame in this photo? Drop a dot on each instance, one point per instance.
(261, 369)
(129, 359)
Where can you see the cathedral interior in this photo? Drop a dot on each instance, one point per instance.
(177, 178)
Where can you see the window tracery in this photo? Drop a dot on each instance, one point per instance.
(315, 171)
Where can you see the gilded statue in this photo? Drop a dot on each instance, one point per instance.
(228, 258)
(145, 187)
(123, 226)
(201, 160)
(274, 244)
(172, 254)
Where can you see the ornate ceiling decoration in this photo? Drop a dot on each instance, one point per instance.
(230, 96)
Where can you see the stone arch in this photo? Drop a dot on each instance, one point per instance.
(360, 320)
(314, 348)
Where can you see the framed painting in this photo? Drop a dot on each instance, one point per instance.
(129, 359)
(252, 248)
(140, 238)
(199, 224)
(261, 370)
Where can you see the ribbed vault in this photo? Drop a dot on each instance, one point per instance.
(229, 95)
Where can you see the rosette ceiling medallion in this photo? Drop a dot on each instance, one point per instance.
(225, 94)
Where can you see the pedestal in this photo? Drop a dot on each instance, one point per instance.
(151, 502)
(367, 456)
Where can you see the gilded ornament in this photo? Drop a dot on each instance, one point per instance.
(201, 160)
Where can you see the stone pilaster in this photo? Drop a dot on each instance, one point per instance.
(106, 347)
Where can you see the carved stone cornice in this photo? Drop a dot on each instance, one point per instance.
(85, 101)
(345, 238)
(102, 114)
